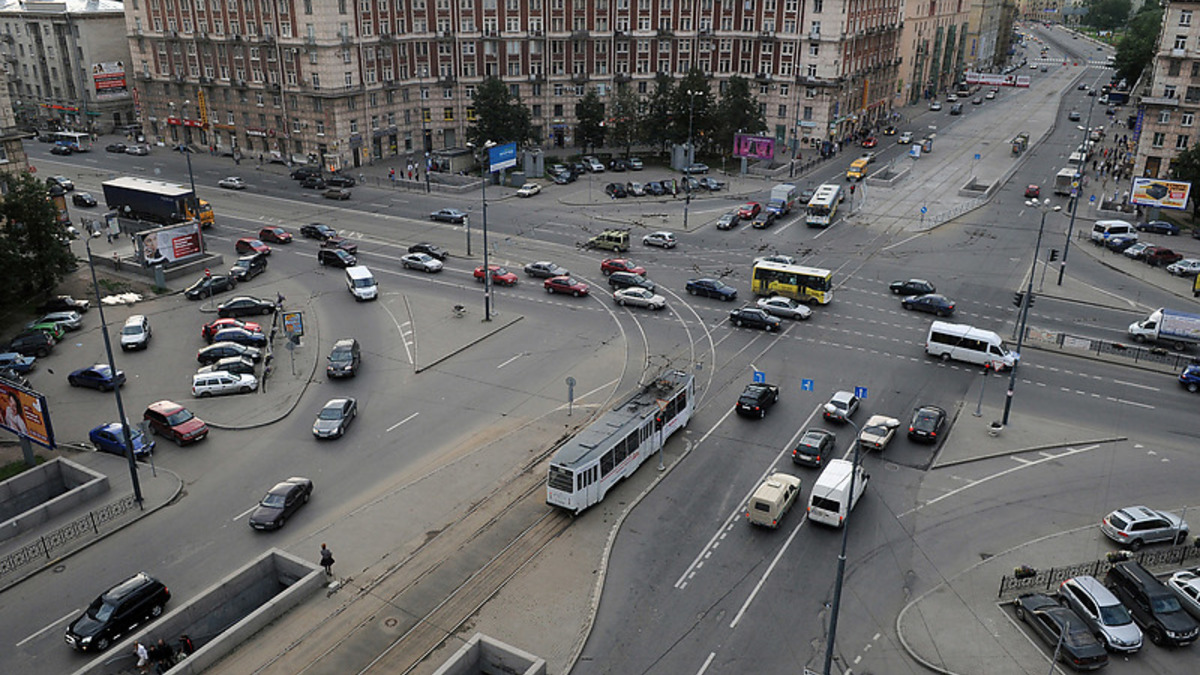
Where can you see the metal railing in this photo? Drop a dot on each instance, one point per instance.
(1134, 353)
(1048, 580)
(70, 536)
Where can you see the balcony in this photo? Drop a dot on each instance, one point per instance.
(665, 32)
(387, 37)
(579, 34)
(535, 33)
(1160, 101)
(268, 38)
(763, 77)
(203, 35)
(621, 77)
(240, 84)
(8, 37)
(206, 80)
(310, 40)
(447, 81)
(236, 37)
(579, 78)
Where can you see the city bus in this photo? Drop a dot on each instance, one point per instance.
(76, 140)
(823, 205)
(800, 283)
(592, 462)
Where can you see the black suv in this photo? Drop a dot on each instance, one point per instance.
(304, 172)
(1153, 606)
(619, 280)
(757, 398)
(118, 610)
(344, 359)
(248, 266)
(32, 343)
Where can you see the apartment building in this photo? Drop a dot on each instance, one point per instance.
(934, 47)
(345, 82)
(1168, 109)
(989, 34)
(13, 159)
(65, 63)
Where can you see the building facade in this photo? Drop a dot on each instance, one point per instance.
(989, 34)
(346, 82)
(65, 62)
(934, 48)
(13, 159)
(1168, 110)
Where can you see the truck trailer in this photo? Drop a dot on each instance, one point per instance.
(1168, 326)
(155, 201)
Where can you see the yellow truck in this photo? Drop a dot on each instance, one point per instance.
(858, 169)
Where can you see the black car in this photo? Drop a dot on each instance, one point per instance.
(711, 288)
(756, 398)
(208, 285)
(338, 180)
(763, 220)
(32, 343)
(60, 150)
(1153, 605)
(280, 503)
(619, 280)
(335, 418)
(115, 147)
(344, 359)
(336, 257)
(129, 604)
(927, 423)
(564, 177)
(245, 306)
(755, 318)
(300, 173)
(815, 447)
(912, 287)
(223, 350)
(63, 303)
(1060, 627)
(241, 336)
(655, 188)
(618, 165)
(429, 249)
(930, 302)
(318, 231)
(240, 365)
(616, 191)
(248, 266)
(61, 181)
(313, 183)
(83, 199)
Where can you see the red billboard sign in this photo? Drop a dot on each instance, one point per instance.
(753, 147)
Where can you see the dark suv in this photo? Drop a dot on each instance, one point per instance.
(757, 398)
(32, 343)
(248, 266)
(344, 359)
(1153, 606)
(118, 610)
(619, 280)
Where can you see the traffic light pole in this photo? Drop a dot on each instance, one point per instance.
(1026, 299)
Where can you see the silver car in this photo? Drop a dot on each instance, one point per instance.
(785, 308)
(639, 297)
(1103, 612)
(728, 221)
(421, 261)
(68, 320)
(1134, 526)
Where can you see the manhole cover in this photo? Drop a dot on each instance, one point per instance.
(390, 622)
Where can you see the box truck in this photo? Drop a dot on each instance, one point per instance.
(155, 201)
(1175, 328)
(1064, 179)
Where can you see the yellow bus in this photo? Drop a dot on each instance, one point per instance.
(804, 284)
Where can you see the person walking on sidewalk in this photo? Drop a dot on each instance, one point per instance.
(143, 657)
(327, 560)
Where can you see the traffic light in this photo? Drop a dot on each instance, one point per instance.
(1053, 254)
(1032, 297)
(1018, 298)
(852, 186)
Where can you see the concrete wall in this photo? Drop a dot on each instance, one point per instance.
(223, 615)
(45, 491)
(483, 655)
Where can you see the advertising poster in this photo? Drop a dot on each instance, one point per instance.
(109, 79)
(753, 147)
(170, 244)
(24, 413)
(1168, 194)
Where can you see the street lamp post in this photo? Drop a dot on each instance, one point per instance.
(690, 157)
(137, 486)
(841, 566)
(1087, 132)
(487, 272)
(426, 142)
(1025, 303)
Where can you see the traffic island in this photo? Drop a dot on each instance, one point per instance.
(441, 327)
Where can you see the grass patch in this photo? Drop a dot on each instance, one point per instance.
(114, 286)
(14, 468)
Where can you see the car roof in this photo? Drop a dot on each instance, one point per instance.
(843, 396)
(165, 407)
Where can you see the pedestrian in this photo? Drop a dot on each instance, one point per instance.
(108, 235)
(162, 656)
(143, 657)
(392, 174)
(326, 560)
(260, 158)
(410, 171)
(185, 646)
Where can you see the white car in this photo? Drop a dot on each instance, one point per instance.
(529, 190)
(135, 334)
(639, 297)
(777, 258)
(877, 432)
(662, 239)
(786, 308)
(1186, 585)
(905, 138)
(421, 261)
(935, 106)
(232, 183)
(1188, 267)
(221, 382)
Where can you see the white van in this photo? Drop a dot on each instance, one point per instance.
(361, 283)
(831, 502)
(772, 499)
(966, 343)
(135, 334)
(1104, 230)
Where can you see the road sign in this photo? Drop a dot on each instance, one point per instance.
(293, 323)
(924, 210)
(760, 376)
(806, 385)
(1092, 199)
(977, 155)
(861, 392)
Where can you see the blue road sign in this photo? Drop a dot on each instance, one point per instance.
(760, 376)
(861, 392)
(1092, 198)
(977, 155)
(806, 385)
(924, 210)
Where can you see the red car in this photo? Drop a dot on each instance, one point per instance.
(748, 210)
(248, 245)
(869, 142)
(209, 330)
(275, 235)
(499, 275)
(621, 265)
(342, 243)
(1032, 192)
(176, 422)
(565, 285)
(1160, 256)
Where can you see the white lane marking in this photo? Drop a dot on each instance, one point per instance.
(243, 514)
(509, 361)
(49, 626)
(763, 579)
(389, 429)
(902, 242)
(707, 662)
(1136, 404)
(404, 339)
(1135, 384)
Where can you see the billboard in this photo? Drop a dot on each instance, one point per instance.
(109, 80)
(501, 157)
(753, 147)
(1168, 194)
(167, 245)
(24, 413)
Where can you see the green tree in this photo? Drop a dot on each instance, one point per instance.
(1186, 167)
(500, 117)
(1136, 50)
(624, 127)
(1108, 14)
(31, 240)
(658, 114)
(692, 108)
(590, 113)
(738, 112)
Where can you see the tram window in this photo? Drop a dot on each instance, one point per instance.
(606, 463)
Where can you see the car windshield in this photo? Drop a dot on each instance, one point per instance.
(101, 611)
(499, 271)
(1163, 604)
(179, 417)
(133, 329)
(340, 355)
(1115, 615)
(330, 414)
(273, 501)
(875, 430)
(1118, 522)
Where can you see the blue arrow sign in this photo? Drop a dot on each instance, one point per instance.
(924, 210)
(861, 392)
(760, 376)
(977, 155)
(806, 385)
(1092, 198)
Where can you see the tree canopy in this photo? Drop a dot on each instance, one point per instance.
(1186, 167)
(1136, 49)
(31, 240)
(590, 113)
(500, 116)
(738, 112)
(1107, 14)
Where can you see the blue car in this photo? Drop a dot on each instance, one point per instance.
(1159, 227)
(711, 288)
(111, 438)
(16, 362)
(99, 376)
(1190, 378)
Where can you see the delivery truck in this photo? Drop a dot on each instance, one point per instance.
(832, 496)
(155, 201)
(1168, 326)
(784, 198)
(1064, 179)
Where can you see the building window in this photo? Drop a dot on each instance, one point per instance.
(448, 114)
(1164, 116)
(1181, 142)
(1185, 18)
(1186, 119)
(782, 111)
(818, 5)
(1169, 90)
(1180, 42)
(1158, 140)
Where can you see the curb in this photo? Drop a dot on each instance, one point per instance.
(468, 345)
(1032, 448)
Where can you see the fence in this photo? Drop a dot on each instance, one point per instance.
(1049, 579)
(69, 537)
(1136, 354)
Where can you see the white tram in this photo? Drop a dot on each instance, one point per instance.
(586, 467)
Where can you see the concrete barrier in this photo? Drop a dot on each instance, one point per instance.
(488, 656)
(224, 615)
(35, 496)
